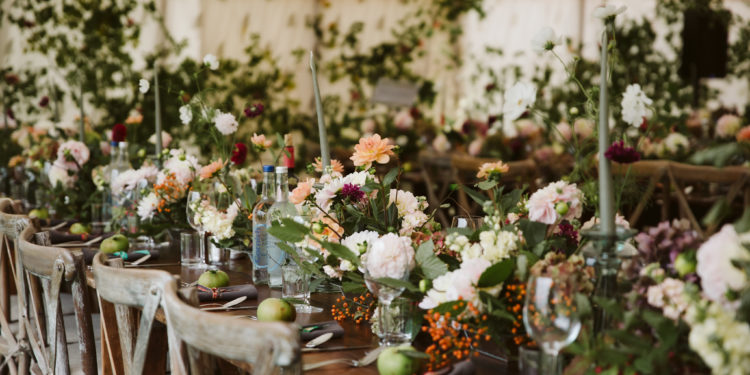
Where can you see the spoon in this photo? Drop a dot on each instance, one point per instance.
(231, 303)
(319, 340)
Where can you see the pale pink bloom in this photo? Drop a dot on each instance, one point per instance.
(619, 220)
(475, 147)
(390, 256)
(260, 141)
(542, 204)
(59, 173)
(181, 165)
(583, 127)
(727, 126)
(77, 150)
(225, 123)
(372, 149)
(487, 169)
(209, 170)
(460, 283)
(406, 202)
(563, 132)
(527, 128)
(302, 191)
(403, 120)
(166, 139)
(368, 126)
(441, 143)
(718, 274)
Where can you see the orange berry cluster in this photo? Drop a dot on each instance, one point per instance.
(454, 335)
(359, 309)
(169, 191)
(515, 294)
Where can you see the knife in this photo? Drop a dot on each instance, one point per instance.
(336, 348)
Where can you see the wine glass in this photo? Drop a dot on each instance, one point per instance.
(194, 209)
(386, 294)
(551, 318)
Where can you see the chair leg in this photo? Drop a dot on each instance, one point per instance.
(86, 341)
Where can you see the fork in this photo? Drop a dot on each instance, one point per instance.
(367, 360)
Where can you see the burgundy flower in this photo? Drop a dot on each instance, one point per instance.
(119, 132)
(567, 231)
(353, 192)
(44, 101)
(490, 87)
(415, 113)
(254, 110)
(239, 154)
(617, 152)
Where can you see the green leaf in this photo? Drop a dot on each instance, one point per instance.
(510, 200)
(397, 283)
(390, 177)
(431, 265)
(487, 184)
(583, 305)
(502, 314)
(476, 196)
(287, 233)
(717, 212)
(353, 287)
(496, 274)
(413, 354)
(742, 225)
(533, 231)
(341, 252)
(448, 306)
(718, 156)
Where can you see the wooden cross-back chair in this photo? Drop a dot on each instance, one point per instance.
(121, 291)
(668, 180)
(270, 347)
(46, 270)
(13, 343)
(439, 176)
(466, 167)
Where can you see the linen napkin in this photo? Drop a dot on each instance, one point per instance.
(226, 293)
(312, 331)
(130, 256)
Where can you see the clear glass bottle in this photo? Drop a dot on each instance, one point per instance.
(260, 225)
(119, 201)
(281, 209)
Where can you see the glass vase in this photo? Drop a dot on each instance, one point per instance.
(394, 324)
(603, 252)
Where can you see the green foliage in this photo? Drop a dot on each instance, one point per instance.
(432, 267)
(497, 273)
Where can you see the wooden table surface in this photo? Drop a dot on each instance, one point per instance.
(240, 272)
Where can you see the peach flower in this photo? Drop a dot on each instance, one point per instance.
(336, 165)
(372, 149)
(744, 134)
(260, 141)
(302, 191)
(487, 169)
(209, 170)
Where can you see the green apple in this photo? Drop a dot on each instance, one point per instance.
(78, 228)
(39, 213)
(116, 243)
(214, 279)
(276, 310)
(392, 361)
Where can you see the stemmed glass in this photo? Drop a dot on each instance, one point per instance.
(386, 294)
(551, 318)
(194, 211)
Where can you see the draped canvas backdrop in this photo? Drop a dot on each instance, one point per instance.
(224, 28)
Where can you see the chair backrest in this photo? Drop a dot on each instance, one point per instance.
(132, 288)
(12, 343)
(268, 346)
(52, 267)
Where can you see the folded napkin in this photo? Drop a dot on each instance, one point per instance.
(312, 331)
(130, 256)
(226, 293)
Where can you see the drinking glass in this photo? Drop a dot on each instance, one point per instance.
(470, 222)
(194, 209)
(551, 318)
(401, 325)
(294, 282)
(190, 248)
(386, 294)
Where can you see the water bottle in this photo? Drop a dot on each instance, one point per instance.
(281, 209)
(260, 225)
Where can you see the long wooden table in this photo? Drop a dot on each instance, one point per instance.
(240, 272)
